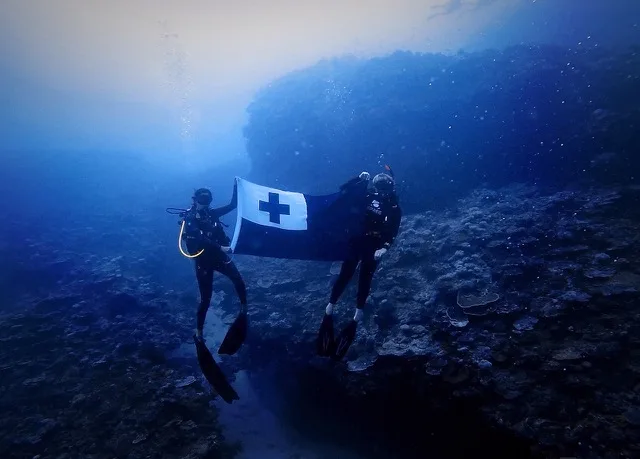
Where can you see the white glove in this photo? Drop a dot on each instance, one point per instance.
(364, 175)
(225, 249)
(379, 253)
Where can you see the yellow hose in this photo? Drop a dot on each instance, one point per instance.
(180, 244)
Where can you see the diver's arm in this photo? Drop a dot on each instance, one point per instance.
(224, 210)
(363, 177)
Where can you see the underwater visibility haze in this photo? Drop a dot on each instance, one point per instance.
(312, 230)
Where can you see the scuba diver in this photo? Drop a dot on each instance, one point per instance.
(381, 225)
(209, 246)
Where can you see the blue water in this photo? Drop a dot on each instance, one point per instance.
(565, 112)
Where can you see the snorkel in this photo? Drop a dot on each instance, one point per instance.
(388, 169)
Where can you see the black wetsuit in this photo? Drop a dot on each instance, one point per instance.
(203, 231)
(382, 222)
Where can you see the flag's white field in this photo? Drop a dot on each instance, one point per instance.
(256, 201)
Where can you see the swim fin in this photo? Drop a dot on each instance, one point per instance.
(324, 342)
(346, 337)
(235, 336)
(213, 373)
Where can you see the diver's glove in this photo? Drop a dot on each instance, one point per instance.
(379, 253)
(226, 249)
(364, 175)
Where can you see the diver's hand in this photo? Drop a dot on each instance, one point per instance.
(226, 249)
(364, 175)
(379, 253)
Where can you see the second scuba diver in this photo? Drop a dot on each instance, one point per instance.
(381, 225)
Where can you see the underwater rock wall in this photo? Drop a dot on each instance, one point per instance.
(521, 302)
(449, 124)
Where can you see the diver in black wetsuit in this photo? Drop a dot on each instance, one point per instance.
(382, 222)
(208, 244)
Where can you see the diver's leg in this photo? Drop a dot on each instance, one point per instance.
(237, 333)
(346, 273)
(348, 334)
(367, 269)
(325, 341)
(204, 275)
(230, 270)
(209, 367)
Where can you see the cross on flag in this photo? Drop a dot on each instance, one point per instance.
(274, 208)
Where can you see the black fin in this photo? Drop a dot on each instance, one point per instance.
(346, 337)
(324, 343)
(213, 373)
(235, 336)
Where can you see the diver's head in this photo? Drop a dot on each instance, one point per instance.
(202, 198)
(383, 183)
